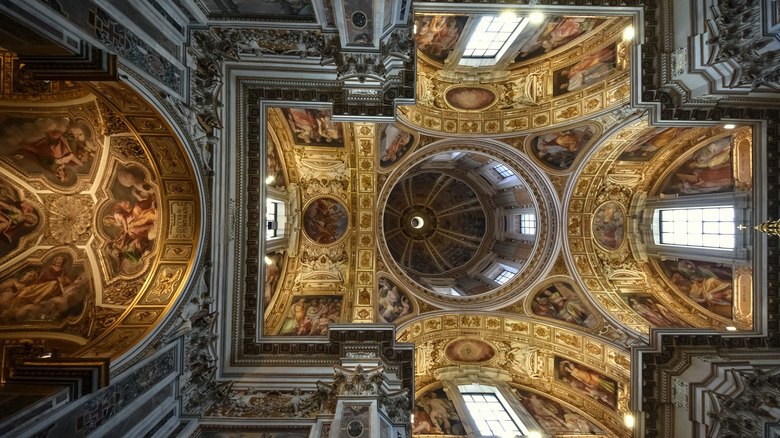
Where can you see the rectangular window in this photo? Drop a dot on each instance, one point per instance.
(503, 171)
(528, 224)
(274, 218)
(708, 227)
(506, 273)
(489, 414)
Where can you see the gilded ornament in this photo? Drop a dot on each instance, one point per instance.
(517, 327)
(363, 314)
(432, 324)
(570, 340)
(70, 218)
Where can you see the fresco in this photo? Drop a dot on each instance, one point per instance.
(129, 220)
(608, 223)
(273, 272)
(325, 220)
(394, 144)
(653, 311)
(649, 143)
(436, 35)
(469, 98)
(46, 292)
(18, 218)
(559, 149)
(274, 166)
(314, 127)
(559, 301)
(60, 149)
(470, 350)
(555, 418)
(586, 382)
(708, 170)
(435, 414)
(393, 302)
(310, 315)
(708, 284)
(301, 8)
(590, 70)
(555, 32)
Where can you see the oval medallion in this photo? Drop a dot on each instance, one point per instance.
(470, 98)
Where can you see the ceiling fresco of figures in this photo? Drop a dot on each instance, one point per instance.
(541, 211)
(98, 232)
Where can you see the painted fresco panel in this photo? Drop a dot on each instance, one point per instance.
(708, 284)
(325, 220)
(649, 143)
(437, 35)
(435, 414)
(559, 301)
(310, 315)
(559, 149)
(608, 225)
(555, 32)
(708, 170)
(394, 144)
(470, 351)
(649, 308)
(273, 272)
(469, 98)
(593, 68)
(586, 381)
(394, 303)
(314, 127)
(18, 218)
(555, 418)
(301, 8)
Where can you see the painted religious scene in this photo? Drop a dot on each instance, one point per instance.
(261, 8)
(314, 127)
(586, 381)
(555, 32)
(46, 292)
(394, 304)
(61, 149)
(310, 315)
(593, 68)
(649, 143)
(273, 273)
(559, 301)
(657, 314)
(394, 144)
(708, 170)
(129, 220)
(709, 284)
(18, 218)
(559, 149)
(435, 414)
(470, 98)
(437, 35)
(608, 225)
(469, 351)
(325, 220)
(555, 418)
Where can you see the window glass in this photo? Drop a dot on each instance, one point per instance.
(708, 227)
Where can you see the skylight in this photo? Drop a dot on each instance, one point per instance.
(490, 39)
(711, 227)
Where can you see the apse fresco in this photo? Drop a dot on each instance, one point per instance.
(555, 418)
(394, 144)
(436, 35)
(708, 170)
(310, 315)
(649, 143)
(559, 149)
(325, 220)
(314, 127)
(18, 218)
(608, 225)
(273, 273)
(83, 234)
(394, 303)
(587, 382)
(301, 8)
(708, 284)
(50, 291)
(591, 69)
(435, 414)
(555, 32)
(470, 351)
(559, 301)
(657, 314)
(61, 148)
(129, 220)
